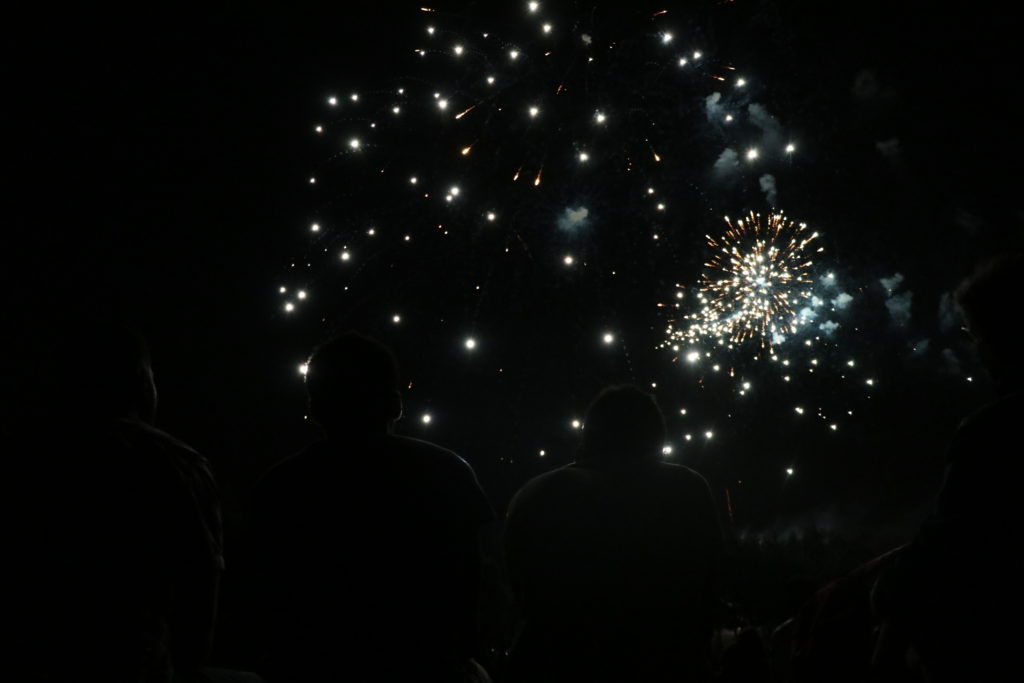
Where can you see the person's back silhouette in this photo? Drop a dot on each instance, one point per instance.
(613, 557)
(952, 588)
(114, 555)
(366, 545)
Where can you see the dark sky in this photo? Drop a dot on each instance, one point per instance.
(158, 161)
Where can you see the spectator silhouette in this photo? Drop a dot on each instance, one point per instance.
(745, 661)
(366, 544)
(114, 552)
(950, 592)
(612, 558)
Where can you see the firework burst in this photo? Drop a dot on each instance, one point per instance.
(752, 286)
(534, 147)
(514, 195)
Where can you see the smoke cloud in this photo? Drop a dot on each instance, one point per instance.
(890, 149)
(892, 283)
(770, 127)
(949, 314)
(713, 107)
(899, 307)
(767, 182)
(952, 362)
(573, 218)
(727, 161)
(842, 301)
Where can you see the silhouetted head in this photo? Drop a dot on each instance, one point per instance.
(623, 425)
(352, 382)
(99, 370)
(988, 301)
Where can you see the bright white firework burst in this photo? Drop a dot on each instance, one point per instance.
(752, 286)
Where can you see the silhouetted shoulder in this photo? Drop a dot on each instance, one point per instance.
(190, 468)
(980, 479)
(136, 429)
(687, 482)
(449, 471)
(373, 452)
(122, 450)
(431, 454)
(680, 480)
(141, 435)
(682, 475)
(384, 463)
(543, 484)
(994, 417)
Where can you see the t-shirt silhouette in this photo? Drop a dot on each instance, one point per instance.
(115, 552)
(613, 567)
(367, 555)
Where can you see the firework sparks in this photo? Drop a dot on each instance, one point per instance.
(753, 284)
(503, 170)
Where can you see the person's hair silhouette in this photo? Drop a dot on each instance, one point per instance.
(352, 383)
(623, 425)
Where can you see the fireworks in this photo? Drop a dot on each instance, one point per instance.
(534, 189)
(567, 121)
(758, 277)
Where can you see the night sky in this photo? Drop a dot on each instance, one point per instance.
(160, 173)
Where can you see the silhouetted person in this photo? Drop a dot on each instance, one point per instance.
(745, 661)
(952, 593)
(367, 544)
(613, 557)
(114, 553)
(833, 636)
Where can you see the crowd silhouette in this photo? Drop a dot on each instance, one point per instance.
(364, 553)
